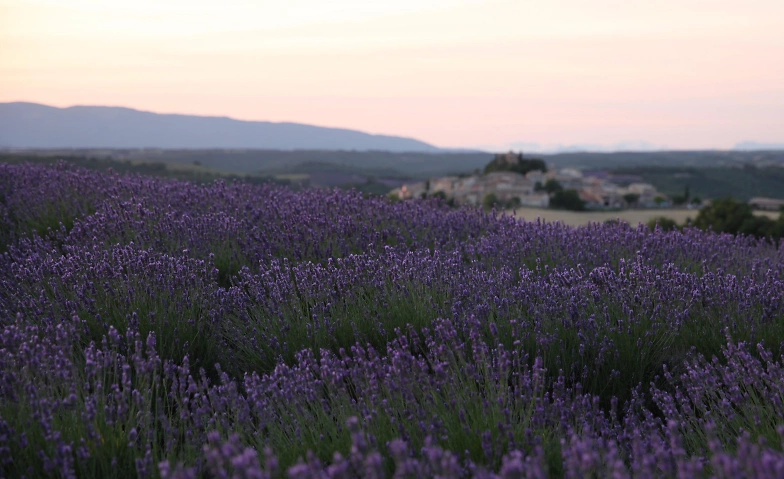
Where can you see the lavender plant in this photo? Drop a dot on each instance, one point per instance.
(158, 328)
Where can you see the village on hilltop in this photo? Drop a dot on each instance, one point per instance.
(510, 180)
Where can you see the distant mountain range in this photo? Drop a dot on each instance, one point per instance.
(754, 146)
(585, 147)
(625, 146)
(32, 125)
(36, 126)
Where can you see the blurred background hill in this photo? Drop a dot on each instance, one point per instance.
(32, 125)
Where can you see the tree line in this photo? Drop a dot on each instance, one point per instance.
(727, 215)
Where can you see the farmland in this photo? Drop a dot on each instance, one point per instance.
(152, 327)
(631, 216)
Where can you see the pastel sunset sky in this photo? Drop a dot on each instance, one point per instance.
(680, 73)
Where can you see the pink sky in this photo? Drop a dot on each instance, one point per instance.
(680, 73)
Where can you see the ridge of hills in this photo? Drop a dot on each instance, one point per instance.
(32, 125)
(412, 165)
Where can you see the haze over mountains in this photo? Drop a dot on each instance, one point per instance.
(533, 147)
(36, 126)
(756, 146)
(31, 125)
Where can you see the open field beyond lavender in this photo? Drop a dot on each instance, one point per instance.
(631, 216)
(158, 328)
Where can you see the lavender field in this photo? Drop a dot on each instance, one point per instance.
(158, 328)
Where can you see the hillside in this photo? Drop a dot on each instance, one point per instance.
(244, 161)
(676, 158)
(714, 182)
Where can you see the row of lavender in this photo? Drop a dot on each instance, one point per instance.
(409, 338)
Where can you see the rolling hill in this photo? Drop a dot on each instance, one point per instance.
(32, 125)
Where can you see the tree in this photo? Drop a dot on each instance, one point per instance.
(777, 229)
(724, 215)
(517, 165)
(631, 198)
(727, 215)
(659, 200)
(439, 194)
(666, 224)
(489, 201)
(552, 185)
(567, 200)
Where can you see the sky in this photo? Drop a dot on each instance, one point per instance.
(455, 73)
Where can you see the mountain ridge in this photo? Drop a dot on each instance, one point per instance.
(34, 125)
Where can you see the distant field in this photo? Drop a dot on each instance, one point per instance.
(633, 217)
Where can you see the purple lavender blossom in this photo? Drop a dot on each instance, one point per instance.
(157, 327)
